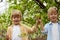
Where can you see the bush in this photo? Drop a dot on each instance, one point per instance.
(29, 9)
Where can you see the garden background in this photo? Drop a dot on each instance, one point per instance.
(29, 9)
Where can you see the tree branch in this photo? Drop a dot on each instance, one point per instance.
(40, 4)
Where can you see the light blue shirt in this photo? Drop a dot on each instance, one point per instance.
(48, 30)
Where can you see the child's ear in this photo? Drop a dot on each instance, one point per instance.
(21, 17)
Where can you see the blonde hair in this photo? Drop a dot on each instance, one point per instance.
(16, 12)
(51, 8)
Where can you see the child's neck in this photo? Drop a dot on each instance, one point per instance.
(16, 24)
(54, 21)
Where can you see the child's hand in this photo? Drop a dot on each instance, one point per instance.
(39, 21)
(7, 37)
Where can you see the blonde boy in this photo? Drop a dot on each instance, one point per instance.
(52, 29)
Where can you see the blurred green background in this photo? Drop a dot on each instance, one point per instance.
(29, 9)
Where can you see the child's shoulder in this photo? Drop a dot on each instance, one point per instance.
(22, 25)
(25, 26)
(10, 26)
(47, 25)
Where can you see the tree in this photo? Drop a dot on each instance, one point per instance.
(29, 9)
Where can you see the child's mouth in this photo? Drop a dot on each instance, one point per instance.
(53, 17)
(16, 21)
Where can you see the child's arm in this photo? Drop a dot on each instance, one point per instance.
(41, 25)
(7, 34)
(7, 37)
(44, 29)
(33, 29)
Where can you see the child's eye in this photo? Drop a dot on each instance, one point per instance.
(55, 13)
(14, 17)
(51, 14)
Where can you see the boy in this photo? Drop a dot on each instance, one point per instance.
(17, 31)
(52, 29)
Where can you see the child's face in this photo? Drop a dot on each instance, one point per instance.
(16, 19)
(53, 15)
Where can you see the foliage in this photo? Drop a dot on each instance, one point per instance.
(29, 9)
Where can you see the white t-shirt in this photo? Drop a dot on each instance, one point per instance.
(55, 33)
(16, 31)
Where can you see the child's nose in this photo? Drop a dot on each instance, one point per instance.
(16, 18)
(53, 15)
